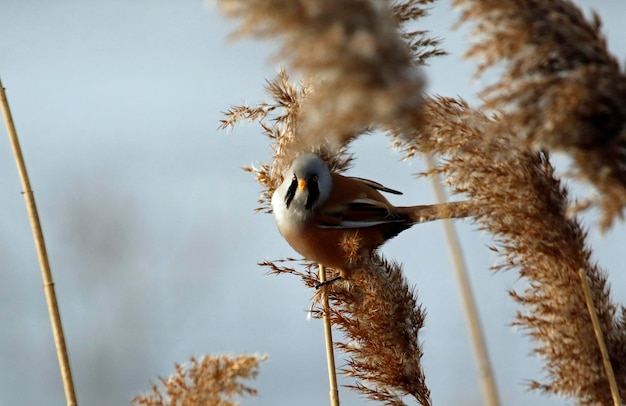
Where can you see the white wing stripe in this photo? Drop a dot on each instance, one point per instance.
(359, 224)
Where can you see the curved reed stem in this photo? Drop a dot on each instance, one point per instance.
(48, 284)
(488, 383)
(608, 368)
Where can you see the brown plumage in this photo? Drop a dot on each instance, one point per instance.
(334, 220)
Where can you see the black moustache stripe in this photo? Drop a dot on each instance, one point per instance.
(291, 192)
(314, 194)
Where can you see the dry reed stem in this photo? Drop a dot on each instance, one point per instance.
(485, 371)
(608, 368)
(561, 88)
(46, 272)
(524, 207)
(208, 381)
(328, 338)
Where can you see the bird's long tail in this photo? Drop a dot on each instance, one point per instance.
(432, 212)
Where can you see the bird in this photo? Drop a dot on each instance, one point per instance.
(317, 210)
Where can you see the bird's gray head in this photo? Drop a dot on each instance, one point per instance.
(308, 183)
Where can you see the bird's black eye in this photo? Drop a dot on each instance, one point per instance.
(315, 178)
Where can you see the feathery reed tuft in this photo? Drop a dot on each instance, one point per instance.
(278, 121)
(355, 56)
(524, 207)
(561, 89)
(209, 381)
(383, 348)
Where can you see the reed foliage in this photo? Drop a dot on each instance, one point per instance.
(208, 381)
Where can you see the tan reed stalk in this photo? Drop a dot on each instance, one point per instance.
(488, 383)
(328, 335)
(48, 284)
(600, 337)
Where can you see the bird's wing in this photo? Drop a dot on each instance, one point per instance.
(357, 203)
(377, 186)
(359, 213)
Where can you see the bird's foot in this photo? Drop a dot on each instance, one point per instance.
(327, 282)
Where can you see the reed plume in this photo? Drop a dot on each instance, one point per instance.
(278, 121)
(208, 381)
(524, 206)
(353, 53)
(383, 348)
(383, 345)
(561, 89)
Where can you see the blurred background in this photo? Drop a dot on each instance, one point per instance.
(150, 221)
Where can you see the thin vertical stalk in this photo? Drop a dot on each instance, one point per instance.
(487, 380)
(608, 368)
(48, 284)
(328, 335)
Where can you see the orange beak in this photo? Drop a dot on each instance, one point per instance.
(301, 184)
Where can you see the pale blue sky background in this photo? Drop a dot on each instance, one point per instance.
(149, 220)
